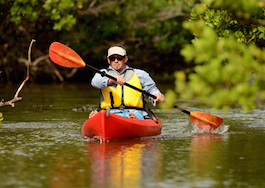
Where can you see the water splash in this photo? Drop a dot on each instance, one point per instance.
(220, 130)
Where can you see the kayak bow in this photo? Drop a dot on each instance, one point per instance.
(116, 127)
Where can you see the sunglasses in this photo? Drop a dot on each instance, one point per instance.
(119, 58)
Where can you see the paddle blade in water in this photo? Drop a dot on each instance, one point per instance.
(65, 56)
(205, 121)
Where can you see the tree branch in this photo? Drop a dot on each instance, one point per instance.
(34, 63)
(38, 60)
(56, 72)
(16, 97)
(95, 10)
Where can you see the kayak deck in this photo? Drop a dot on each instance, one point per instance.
(117, 127)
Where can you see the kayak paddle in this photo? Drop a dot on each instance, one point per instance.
(66, 57)
(205, 121)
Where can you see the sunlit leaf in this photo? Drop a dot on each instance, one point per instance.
(170, 97)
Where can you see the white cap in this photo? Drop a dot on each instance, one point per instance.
(116, 50)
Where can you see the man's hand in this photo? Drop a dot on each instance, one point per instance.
(120, 80)
(159, 98)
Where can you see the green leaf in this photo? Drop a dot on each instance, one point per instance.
(1, 118)
(261, 29)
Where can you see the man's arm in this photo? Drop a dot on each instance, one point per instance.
(100, 82)
(149, 85)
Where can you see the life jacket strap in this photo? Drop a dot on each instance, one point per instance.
(111, 99)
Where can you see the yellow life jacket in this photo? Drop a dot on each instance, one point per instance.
(116, 96)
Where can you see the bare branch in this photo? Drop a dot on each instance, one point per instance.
(16, 97)
(34, 63)
(55, 70)
(92, 10)
(92, 3)
(168, 17)
(38, 60)
(72, 73)
(162, 16)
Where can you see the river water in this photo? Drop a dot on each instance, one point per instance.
(41, 146)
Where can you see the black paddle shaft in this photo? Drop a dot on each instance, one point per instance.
(129, 85)
(113, 78)
(181, 109)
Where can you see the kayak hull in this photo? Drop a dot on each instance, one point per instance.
(115, 127)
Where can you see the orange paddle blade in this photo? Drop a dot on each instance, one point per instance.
(205, 121)
(65, 56)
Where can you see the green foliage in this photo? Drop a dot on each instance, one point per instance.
(144, 27)
(23, 9)
(61, 11)
(153, 22)
(146, 19)
(225, 51)
(229, 64)
(170, 102)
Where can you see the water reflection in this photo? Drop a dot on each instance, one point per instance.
(123, 163)
(40, 146)
(204, 153)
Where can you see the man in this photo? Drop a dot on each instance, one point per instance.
(121, 99)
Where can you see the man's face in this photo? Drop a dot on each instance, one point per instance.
(117, 62)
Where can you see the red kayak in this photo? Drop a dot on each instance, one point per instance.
(117, 127)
